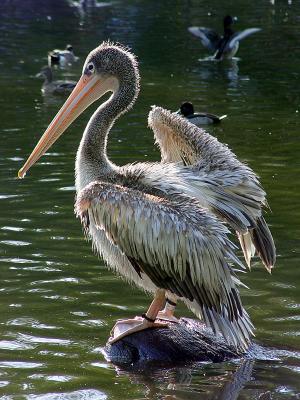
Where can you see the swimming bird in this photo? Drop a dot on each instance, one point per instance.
(198, 118)
(225, 46)
(54, 87)
(63, 58)
(147, 220)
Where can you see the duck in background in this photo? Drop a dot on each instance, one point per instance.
(198, 118)
(63, 58)
(225, 46)
(54, 87)
(88, 3)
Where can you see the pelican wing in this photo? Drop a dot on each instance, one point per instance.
(227, 187)
(114, 257)
(209, 38)
(241, 35)
(178, 245)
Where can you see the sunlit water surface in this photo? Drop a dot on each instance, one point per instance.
(58, 300)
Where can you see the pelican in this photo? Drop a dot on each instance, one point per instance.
(54, 87)
(198, 118)
(154, 223)
(224, 46)
(63, 58)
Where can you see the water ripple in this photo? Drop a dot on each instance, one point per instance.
(67, 279)
(91, 323)
(48, 340)
(68, 189)
(12, 228)
(20, 364)
(19, 260)
(14, 345)
(101, 365)
(84, 394)
(58, 297)
(30, 322)
(15, 242)
(79, 313)
(8, 196)
(55, 378)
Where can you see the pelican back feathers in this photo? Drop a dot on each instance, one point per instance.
(225, 185)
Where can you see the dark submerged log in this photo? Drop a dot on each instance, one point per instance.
(187, 341)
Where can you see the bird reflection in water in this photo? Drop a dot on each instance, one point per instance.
(194, 382)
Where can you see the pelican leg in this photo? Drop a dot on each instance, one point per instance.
(167, 314)
(126, 327)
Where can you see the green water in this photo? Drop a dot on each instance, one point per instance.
(58, 301)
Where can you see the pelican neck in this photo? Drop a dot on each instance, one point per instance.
(92, 162)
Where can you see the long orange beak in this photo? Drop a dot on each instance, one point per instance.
(87, 90)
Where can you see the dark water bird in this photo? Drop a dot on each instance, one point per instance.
(225, 46)
(63, 58)
(198, 118)
(54, 87)
(158, 224)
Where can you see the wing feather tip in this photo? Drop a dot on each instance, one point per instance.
(269, 268)
(81, 205)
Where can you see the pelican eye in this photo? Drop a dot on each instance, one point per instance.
(91, 68)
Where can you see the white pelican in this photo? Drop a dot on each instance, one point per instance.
(225, 46)
(146, 219)
(54, 87)
(198, 118)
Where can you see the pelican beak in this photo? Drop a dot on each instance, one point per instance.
(88, 89)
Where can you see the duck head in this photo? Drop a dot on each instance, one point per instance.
(186, 109)
(228, 21)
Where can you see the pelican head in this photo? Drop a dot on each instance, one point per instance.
(108, 68)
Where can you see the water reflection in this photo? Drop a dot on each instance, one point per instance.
(223, 381)
(226, 70)
(194, 383)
